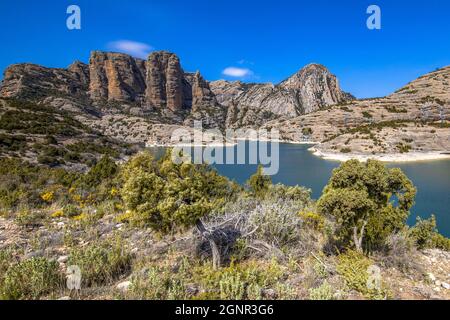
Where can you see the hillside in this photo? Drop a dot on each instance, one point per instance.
(415, 119)
(132, 230)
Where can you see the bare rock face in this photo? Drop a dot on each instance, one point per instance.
(81, 71)
(116, 83)
(202, 95)
(165, 80)
(205, 107)
(30, 81)
(315, 88)
(309, 90)
(116, 76)
(226, 91)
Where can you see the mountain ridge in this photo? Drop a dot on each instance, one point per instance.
(144, 101)
(160, 84)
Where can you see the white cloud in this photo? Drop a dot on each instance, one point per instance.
(237, 72)
(136, 49)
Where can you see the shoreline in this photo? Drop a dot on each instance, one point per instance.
(227, 144)
(334, 156)
(389, 157)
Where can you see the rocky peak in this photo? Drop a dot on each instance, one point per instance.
(205, 107)
(315, 87)
(298, 79)
(202, 96)
(164, 81)
(81, 70)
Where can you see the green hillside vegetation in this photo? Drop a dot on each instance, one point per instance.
(52, 137)
(185, 232)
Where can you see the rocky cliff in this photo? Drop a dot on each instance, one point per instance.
(309, 90)
(116, 77)
(160, 88)
(413, 120)
(119, 83)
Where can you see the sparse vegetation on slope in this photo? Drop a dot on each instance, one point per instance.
(127, 227)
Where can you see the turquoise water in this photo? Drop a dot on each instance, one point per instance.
(298, 166)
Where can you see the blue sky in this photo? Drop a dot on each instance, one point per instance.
(264, 41)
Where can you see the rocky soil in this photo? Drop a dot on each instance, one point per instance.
(54, 239)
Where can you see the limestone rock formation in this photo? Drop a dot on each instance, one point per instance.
(162, 92)
(205, 107)
(309, 90)
(116, 76)
(165, 80)
(30, 81)
(315, 87)
(81, 71)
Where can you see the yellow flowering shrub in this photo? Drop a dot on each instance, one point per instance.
(48, 196)
(58, 214)
(313, 220)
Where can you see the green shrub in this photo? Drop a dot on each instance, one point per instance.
(7, 259)
(394, 109)
(426, 235)
(259, 183)
(323, 292)
(105, 169)
(313, 220)
(353, 267)
(158, 283)
(307, 131)
(30, 218)
(241, 281)
(367, 115)
(12, 142)
(101, 263)
(359, 196)
(440, 242)
(70, 211)
(31, 279)
(297, 194)
(168, 196)
(403, 147)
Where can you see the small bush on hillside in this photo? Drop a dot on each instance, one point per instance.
(7, 259)
(30, 218)
(323, 292)
(242, 281)
(276, 223)
(425, 235)
(159, 283)
(296, 194)
(259, 183)
(354, 268)
(104, 170)
(22, 184)
(399, 253)
(313, 220)
(70, 211)
(101, 263)
(31, 279)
